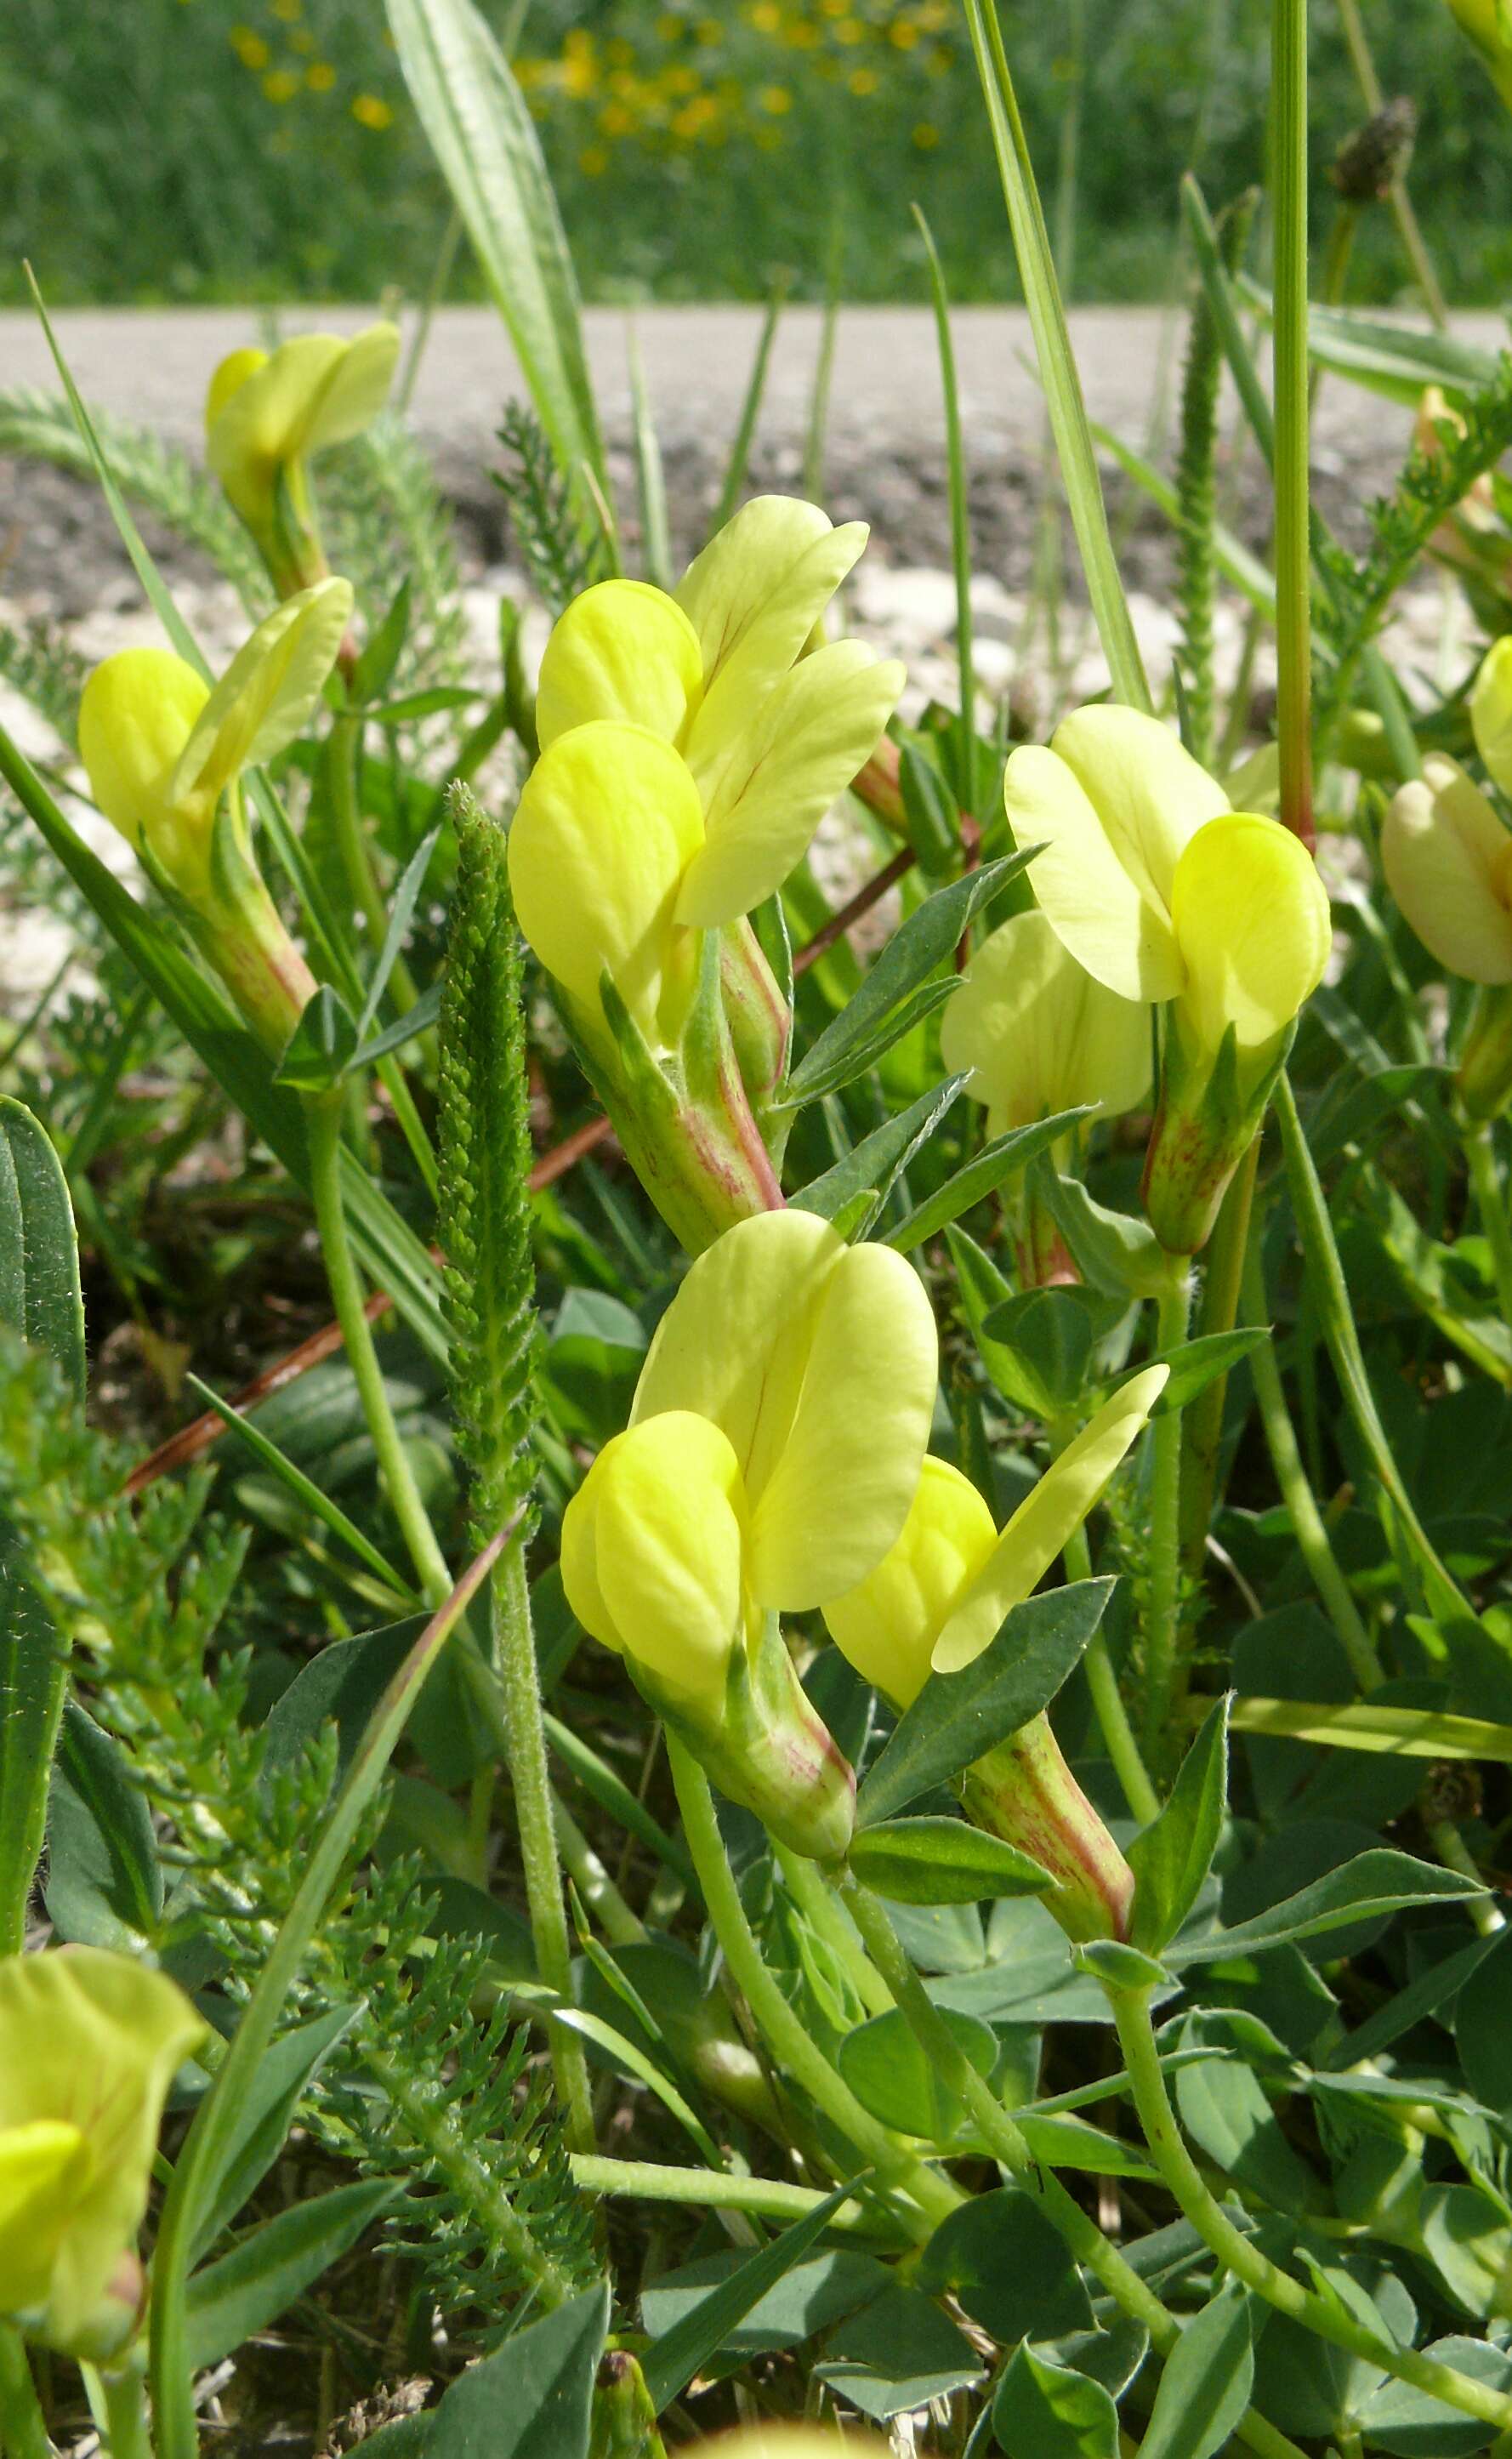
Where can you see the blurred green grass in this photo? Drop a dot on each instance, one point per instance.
(263, 149)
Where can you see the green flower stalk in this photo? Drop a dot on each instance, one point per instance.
(266, 416)
(940, 1596)
(88, 2045)
(165, 754)
(772, 1454)
(690, 746)
(1165, 895)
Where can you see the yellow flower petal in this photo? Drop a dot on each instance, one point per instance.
(139, 710)
(1448, 863)
(268, 692)
(1491, 713)
(229, 377)
(91, 2042)
(1252, 920)
(1044, 1522)
(779, 776)
(656, 1554)
(606, 827)
(313, 390)
(1038, 1034)
(754, 596)
(886, 1627)
(819, 1361)
(1114, 800)
(622, 650)
(43, 2167)
(354, 391)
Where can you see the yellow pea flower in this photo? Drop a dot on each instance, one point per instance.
(773, 1450)
(940, 1596)
(1489, 23)
(769, 735)
(266, 416)
(1163, 893)
(88, 2045)
(1447, 856)
(165, 753)
(1038, 1034)
(691, 744)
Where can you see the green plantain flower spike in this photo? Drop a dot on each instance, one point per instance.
(88, 2045)
(772, 1454)
(1163, 893)
(266, 416)
(690, 746)
(164, 754)
(942, 1595)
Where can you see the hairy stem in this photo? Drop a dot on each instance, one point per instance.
(1163, 1633)
(1108, 1699)
(518, 1682)
(1202, 1426)
(797, 2054)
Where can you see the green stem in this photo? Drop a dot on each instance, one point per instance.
(1308, 1525)
(518, 1677)
(1241, 2256)
(1293, 543)
(818, 1906)
(1480, 1151)
(621, 1925)
(1456, 1854)
(126, 2435)
(1202, 1426)
(1162, 1684)
(798, 2056)
(343, 770)
(1103, 1682)
(1080, 2235)
(323, 1120)
(1331, 1296)
(23, 2427)
(656, 2182)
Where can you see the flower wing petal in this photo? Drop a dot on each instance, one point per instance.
(886, 1626)
(1447, 860)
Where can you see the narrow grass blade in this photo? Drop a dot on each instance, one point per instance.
(485, 142)
(750, 412)
(656, 543)
(960, 526)
(304, 1489)
(1058, 368)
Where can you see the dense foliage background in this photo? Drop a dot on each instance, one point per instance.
(205, 149)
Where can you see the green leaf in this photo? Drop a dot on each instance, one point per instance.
(401, 913)
(1226, 2112)
(670, 2366)
(1112, 1250)
(911, 956)
(1197, 1363)
(533, 2399)
(997, 1162)
(1483, 2020)
(1047, 1336)
(267, 2112)
(1388, 359)
(957, 1717)
(40, 1300)
(342, 1684)
(1413, 2425)
(1008, 2267)
(409, 1027)
(942, 1861)
(374, 669)
(897, 2082)
(39, 1273)
(929, 809)
(871, 1166)
(1173, 1855)
(843, 1067)
(232, 2300)
(1205, 2384)
(1119, 1966)
(1045, 2412)
(1382, 1881)
(104, 1886)
(1058, 367)
(321, 1045)
(899, 2354)
(484, 138)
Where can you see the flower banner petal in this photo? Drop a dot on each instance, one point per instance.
(354, 389)
(757, 590)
